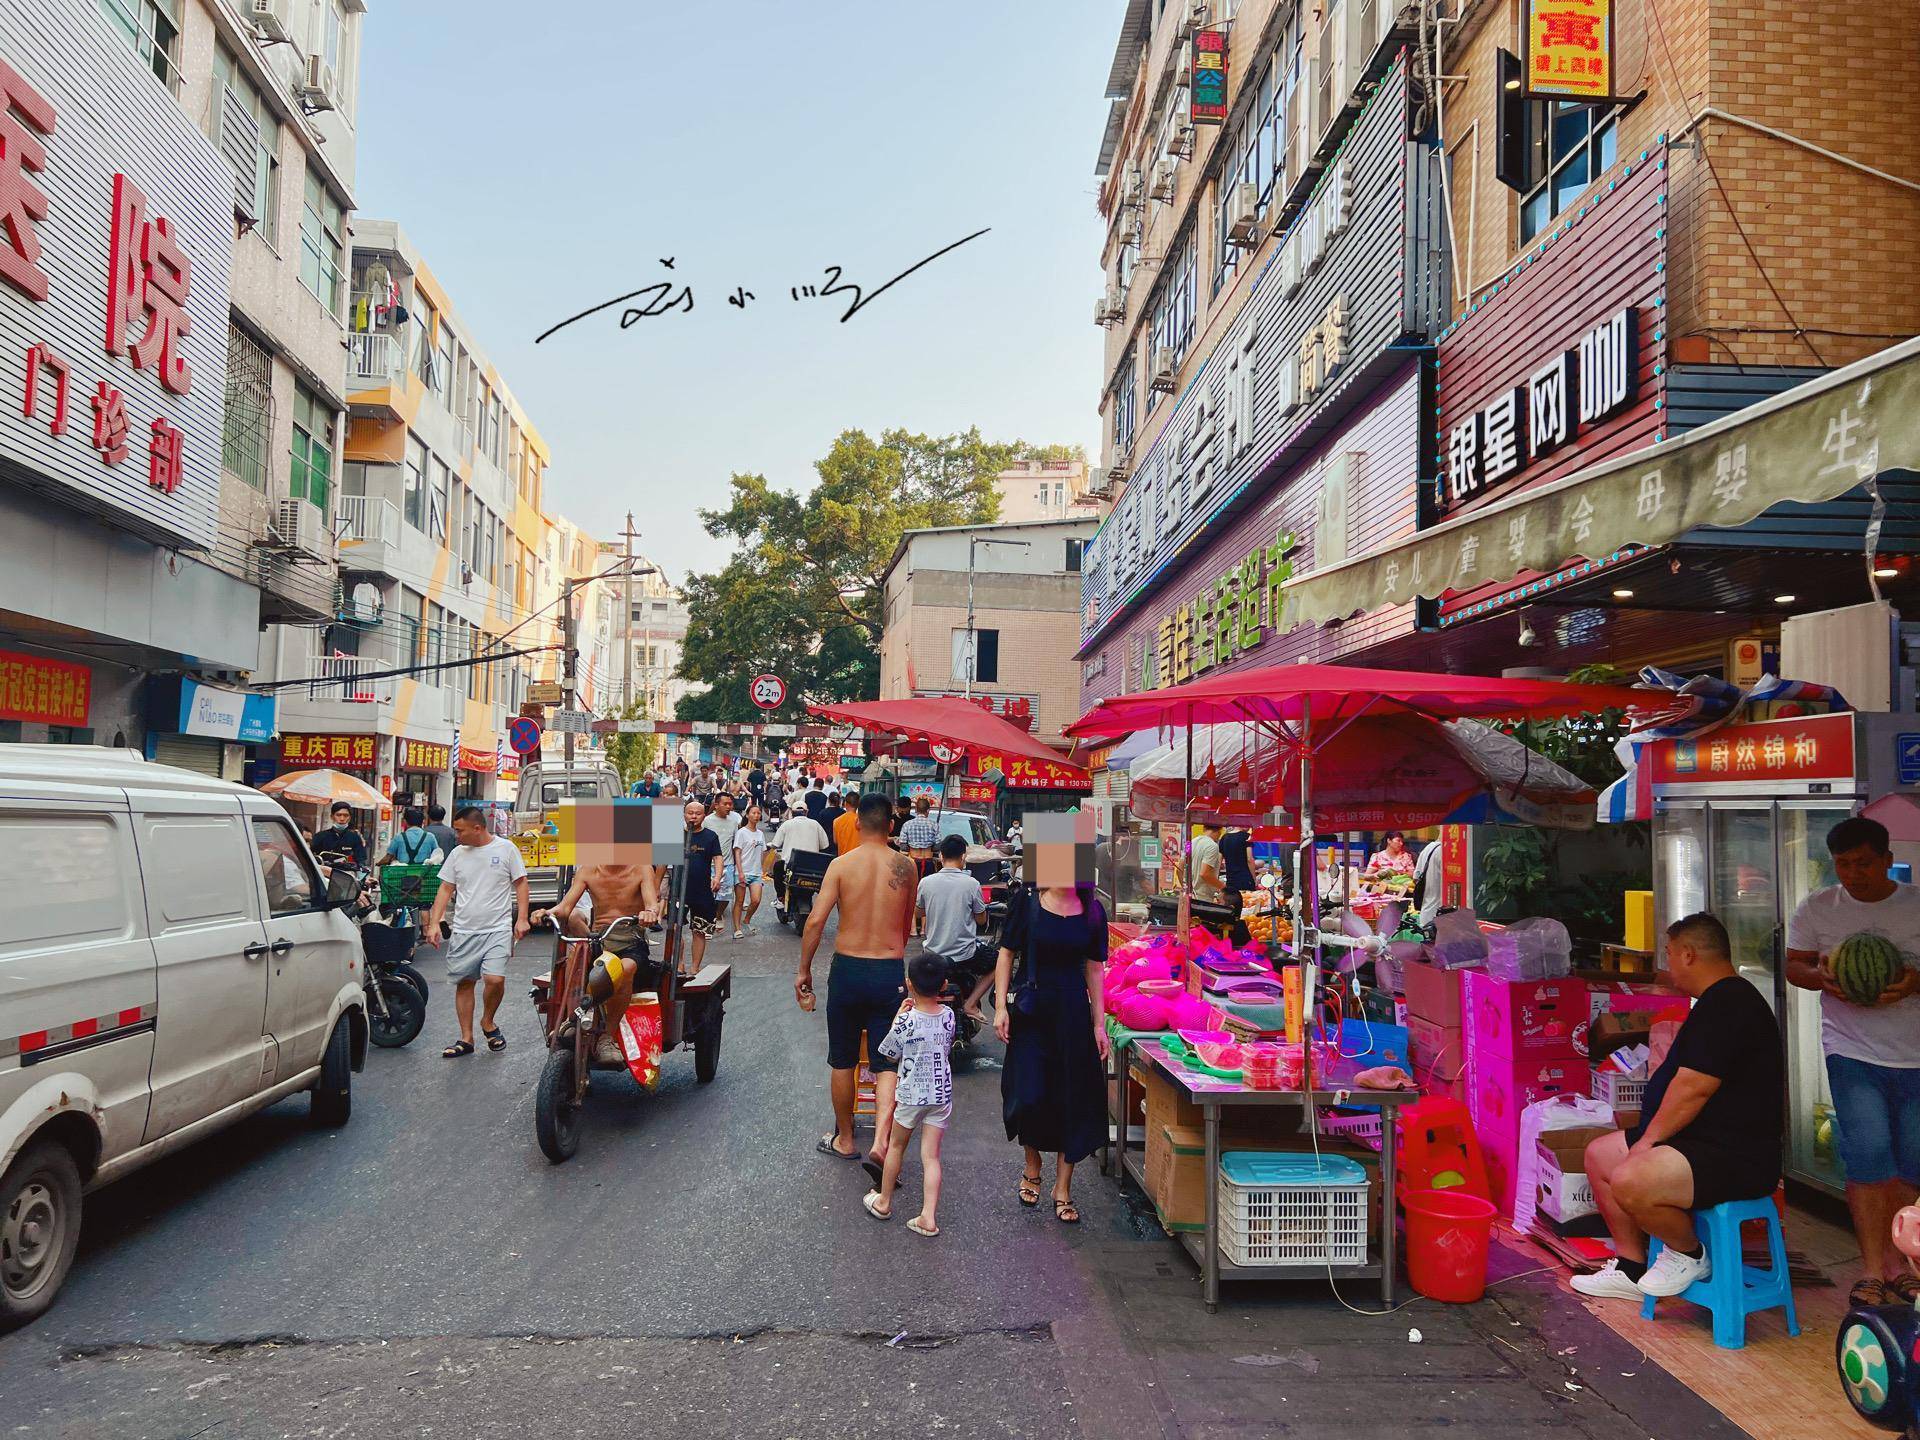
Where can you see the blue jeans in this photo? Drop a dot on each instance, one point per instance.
(1876, 1113)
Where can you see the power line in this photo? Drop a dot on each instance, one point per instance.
(402, 671)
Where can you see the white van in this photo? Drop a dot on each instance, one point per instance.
(170, 962)
(544, 788)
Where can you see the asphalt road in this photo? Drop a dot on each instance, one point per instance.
(698, 1269)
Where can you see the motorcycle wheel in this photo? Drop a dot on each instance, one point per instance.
(556, 1118)
(414, 978)
(405, 1012)
(706, 1047)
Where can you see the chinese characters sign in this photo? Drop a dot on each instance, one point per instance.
(330, 752)
(1816, 748)
(1577, 388)
(116, 236)
(1570, 49)
(482, 762)
(1209, 77)
(425, 755)
(1234, 612)
(1024, 774)
(47, 692)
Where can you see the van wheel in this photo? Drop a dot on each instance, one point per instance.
(39, 1228)
(333, 1091)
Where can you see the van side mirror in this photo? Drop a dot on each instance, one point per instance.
(343, 886)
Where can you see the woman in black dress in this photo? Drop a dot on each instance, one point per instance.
(1051, 1016)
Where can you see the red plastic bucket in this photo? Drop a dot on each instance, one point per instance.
(1447, 1236)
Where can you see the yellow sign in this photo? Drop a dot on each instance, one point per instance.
(1570, 49)
(1231, 615)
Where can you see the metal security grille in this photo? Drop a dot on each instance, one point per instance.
(247, 422)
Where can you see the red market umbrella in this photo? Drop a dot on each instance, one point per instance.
(958, 724)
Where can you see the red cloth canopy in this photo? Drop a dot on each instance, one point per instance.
(1287, 694)
(944, 720)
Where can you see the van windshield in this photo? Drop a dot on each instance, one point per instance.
(554, 791)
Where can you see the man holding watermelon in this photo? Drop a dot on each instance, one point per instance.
(1858, 943)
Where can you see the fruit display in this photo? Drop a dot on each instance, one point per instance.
(1866, 964)
(1265, 928)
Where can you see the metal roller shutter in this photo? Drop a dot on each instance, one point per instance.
(197, 753)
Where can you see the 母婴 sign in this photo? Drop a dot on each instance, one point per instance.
(116, 237)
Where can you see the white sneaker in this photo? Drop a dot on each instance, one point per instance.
(1673, 1272)
(1608, 1283)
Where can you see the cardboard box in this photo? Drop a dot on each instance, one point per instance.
(1437, 1044)
(1562, 1191)
(1614, 1030)
(1639, 920)
(1433, 993)
(1500, 1092)
(1521, 1017)
(1630, 997)
(1242, 1127)
(1177, 1176)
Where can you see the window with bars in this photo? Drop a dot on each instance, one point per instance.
(1123, 411)
(1257, 153)
(323, 257)
(151, 29)
(246, 422)
(311, 476)
(1569, 146)
(1173, 309)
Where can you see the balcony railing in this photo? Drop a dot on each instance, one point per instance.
(339, 677)
(373, 359)
(364, 519)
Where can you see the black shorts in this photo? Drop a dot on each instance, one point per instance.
(863, 996)
(702, 912)
(1720, 1174)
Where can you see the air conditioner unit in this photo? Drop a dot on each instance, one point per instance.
(1183, 66)
(317, 90)
(269, 17)
(1130, 188)
(1164, 180)
(1243, 215)
(1102, 311)
(1134, 233)
(1200, 14)
(1100, 483)
(298, 527)
(1180, 133)
(1163, 369)
(1117, 302)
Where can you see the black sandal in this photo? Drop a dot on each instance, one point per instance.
(1030, 1190)
(826, 1146)
(1066, 1212)
(457, 1049)
(496, 1038)
(1868, 1291)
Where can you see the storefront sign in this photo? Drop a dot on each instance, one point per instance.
(1323, 311)
(1573, 391)
(1014, 709)
(1816, 748)
(545, 692)
(1173, 851)
(116, 235)
(44, 692)
(481, 762)
(1209, 77)
(1235, 610)
(1455, 864)
(225, 714)
(1023, 774)
(509, 770)
(972, 792)
(327, 752)
(1570, 49)
(424, 755)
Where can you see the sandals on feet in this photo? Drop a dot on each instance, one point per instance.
(919, 1229)
(1066, 1212)
(1029, 1190)
(876, 1171)
(826, 1146)
(496, 1038)
(870, 1202)
(1903, 1289)
(1868, 1291)
(457, 1049)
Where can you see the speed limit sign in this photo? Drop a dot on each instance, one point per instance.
(769, 691)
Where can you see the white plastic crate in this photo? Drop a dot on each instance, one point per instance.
(1360, 1129)
(1292, 1209)
(1621, 1092)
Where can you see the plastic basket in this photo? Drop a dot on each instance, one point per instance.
(1363, 1128)
(1292, 1209)
(1621, 1092)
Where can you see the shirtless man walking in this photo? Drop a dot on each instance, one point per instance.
(872, 885)
(618, 892)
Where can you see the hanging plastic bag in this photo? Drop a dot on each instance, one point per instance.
(1457, 939)
(1536, 948)
(1561, 1112)
(640, 1039)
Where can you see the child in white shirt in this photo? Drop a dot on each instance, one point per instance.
(922, 1041)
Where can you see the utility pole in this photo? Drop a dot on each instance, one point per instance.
(973, 543)
(628, 536)
(569, 658)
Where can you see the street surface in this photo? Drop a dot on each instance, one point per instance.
(699, 1270)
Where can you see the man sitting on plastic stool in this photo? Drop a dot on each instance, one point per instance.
(1710, 1124)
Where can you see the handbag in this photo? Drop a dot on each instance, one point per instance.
(1025, 999)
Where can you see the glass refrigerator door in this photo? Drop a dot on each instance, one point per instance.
(1804, 868)
(1679, 865)
(1744, 891)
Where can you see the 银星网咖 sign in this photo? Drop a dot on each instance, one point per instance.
(330, 752)
(1209, 77)
(1234, 612)
(44, 692)
(1594, 381)
(1570, 49)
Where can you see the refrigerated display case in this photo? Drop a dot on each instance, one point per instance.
(1740, 818)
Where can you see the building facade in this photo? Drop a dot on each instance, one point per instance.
(1026, 599)
(1045, 490)
(174, 294)
(649, 644)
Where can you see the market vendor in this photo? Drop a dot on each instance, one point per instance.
(1209, 882)
(1710, 1127)
(1393, 858)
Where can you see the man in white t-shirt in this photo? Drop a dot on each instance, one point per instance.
(724, 821)
(1872, 1049)
(799, 831)
(485, 881)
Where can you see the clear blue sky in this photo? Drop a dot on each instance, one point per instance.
(544, 157)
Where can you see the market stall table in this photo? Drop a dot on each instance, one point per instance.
(1212, 1095)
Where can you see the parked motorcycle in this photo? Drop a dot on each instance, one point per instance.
(396, 992)
(961, 979)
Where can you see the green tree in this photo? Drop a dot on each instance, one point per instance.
(803, 595)
(631, 753)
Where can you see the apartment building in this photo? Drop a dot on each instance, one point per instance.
(166, 466)
(653, 636)
(446, 554)
(1045, 490)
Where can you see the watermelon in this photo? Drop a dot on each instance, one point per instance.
(1865, 964)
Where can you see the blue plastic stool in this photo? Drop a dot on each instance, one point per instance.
(1734, 1290)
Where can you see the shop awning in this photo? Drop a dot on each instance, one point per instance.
(1810, 444)
(960, 724)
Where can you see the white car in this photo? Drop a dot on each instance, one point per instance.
(170, 962)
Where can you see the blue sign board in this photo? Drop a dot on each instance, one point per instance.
(1906, 757)
(225, 714)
